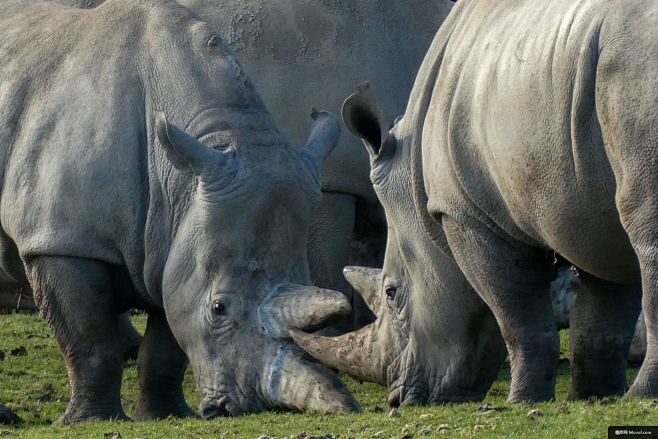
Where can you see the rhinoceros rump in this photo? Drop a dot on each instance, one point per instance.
(531, 127)
(107, 204)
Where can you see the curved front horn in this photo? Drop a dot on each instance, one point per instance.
(352, 353)
(323, 137)
(303, 307)
(295, 382)
(367, 282)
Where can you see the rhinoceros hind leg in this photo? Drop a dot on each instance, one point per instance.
(75, 295)
(514, 280)
(8, 417)
(631, 142)
(646, 382)
(162, 365)
(130, 337)
(602, 324)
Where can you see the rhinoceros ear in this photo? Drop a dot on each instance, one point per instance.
(183, 151)
(365, 118)
(324, 135)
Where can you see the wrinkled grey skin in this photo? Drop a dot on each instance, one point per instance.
(638, 348)
(310, 53)
(106, 205)
(532, 126)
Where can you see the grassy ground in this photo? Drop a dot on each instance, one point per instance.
(35, 386)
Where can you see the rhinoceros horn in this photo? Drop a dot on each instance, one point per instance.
(351, 353)
(303, 307)
(323, 136)
(354, 353)
(299, 384)
(367, 282)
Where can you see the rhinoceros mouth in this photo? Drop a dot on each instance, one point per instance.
(403, 395)
(219, 405)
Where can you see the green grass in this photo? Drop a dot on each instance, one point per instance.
(35, 386)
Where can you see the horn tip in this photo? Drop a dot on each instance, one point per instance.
(299, 336)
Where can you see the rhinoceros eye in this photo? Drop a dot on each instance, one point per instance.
(390, 292)
(218, 308)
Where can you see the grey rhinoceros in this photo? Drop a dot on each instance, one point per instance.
(532, 127)
(310, 53)
(143, 170)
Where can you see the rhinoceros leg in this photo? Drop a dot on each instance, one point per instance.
(330, 235)
(130, 337)
(602, 324)
(514, 280)
(646, 382)
(75, 295)
(162, 365)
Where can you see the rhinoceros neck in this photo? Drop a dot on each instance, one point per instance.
(412, 129)
(169, 199)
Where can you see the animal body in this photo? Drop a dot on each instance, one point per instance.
(141, 169)
(531, 129)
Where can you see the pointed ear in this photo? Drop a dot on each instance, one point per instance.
(364, 117)
(183, 151)
(323, 136)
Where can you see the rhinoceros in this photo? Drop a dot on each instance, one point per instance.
(532, 126)
(143, 170)
(434, 340)
(310, 53)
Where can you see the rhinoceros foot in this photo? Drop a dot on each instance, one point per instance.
(86, 410)
(8, 417)
(161, 409)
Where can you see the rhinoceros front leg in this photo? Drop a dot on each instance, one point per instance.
(330, 235)
(76, 297)
(162, 365)
(130, 337)
(514, 280)
(602, 324)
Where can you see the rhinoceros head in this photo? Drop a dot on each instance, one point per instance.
(236, 277)
(238, 205)
(434, 340)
